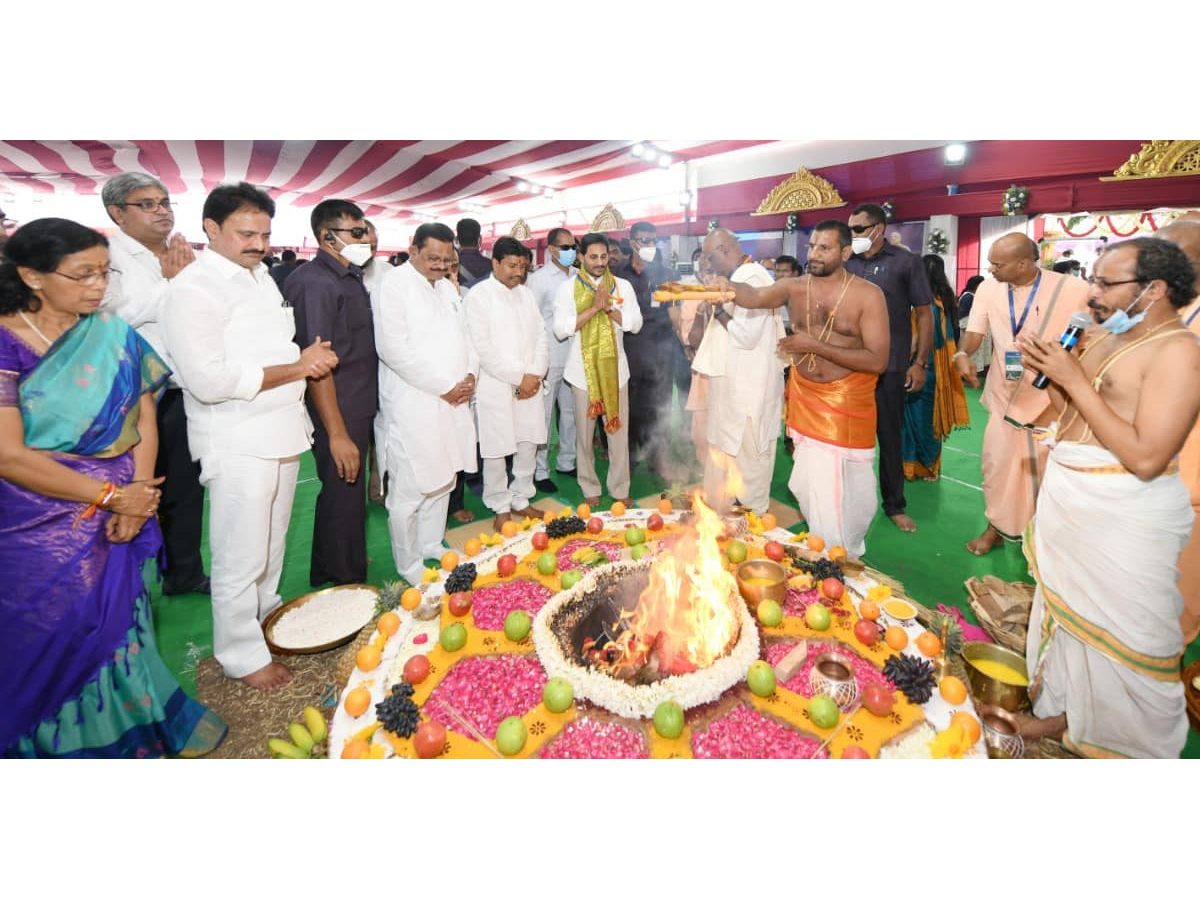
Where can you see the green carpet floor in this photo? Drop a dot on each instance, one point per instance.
(932, 563)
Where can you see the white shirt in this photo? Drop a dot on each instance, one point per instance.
(373, 275)
(545, 283)
(421, 340)
(136, 290)
(624, 299)
(223, 325)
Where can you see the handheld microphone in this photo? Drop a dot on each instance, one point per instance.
(1075, 328)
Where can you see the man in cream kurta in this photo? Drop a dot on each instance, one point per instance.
(508, 335)
(1020, 299)
(745, 385)
(424, 432)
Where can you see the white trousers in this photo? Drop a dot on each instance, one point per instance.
(618, 448)
(745, 477)
(558, 391)
(498, 494)
(416, 520)
(835, 488)
(250, 504)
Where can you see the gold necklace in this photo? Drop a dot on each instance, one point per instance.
(827, 328)
(38, 331)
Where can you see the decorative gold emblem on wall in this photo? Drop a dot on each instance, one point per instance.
(1160, 159)
(609, 219)
(802, 191)
(521, 230)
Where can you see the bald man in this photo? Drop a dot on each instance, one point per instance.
(1019, 299)
(1185, 233)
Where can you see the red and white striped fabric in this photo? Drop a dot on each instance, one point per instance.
(389, 179)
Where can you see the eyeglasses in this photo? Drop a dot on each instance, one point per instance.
(356, 233)
(1101, 285)
(565, 246)
(89, 278)
(433, 260)
(149, 205)
(859, 229)
(644, 241)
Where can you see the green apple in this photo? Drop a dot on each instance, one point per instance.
(761, 678)
(453, 637)
(770, 613)
(639, 550)
(558, 695)
(570, 578)
(635, 536)
(817, 617)
(516, 625)
(736, 551)
(668, 719)
(823, 711)
(547, 563)
(511, 736)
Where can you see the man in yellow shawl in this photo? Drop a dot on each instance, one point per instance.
(594, 309)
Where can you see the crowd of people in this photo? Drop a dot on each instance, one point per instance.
(138, 376)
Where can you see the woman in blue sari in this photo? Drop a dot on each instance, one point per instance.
(79, 672)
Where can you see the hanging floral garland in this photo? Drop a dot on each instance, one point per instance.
(938, 241)
(1015, 199)
(889, 210)
(791, 225)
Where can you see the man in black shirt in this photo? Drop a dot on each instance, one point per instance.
(901, 276)
(473, 266)
(329, 299)
(283, 269)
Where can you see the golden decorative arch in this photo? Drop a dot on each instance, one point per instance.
(609, 219)
(521, 231)
(1160, 159)
(802, 191)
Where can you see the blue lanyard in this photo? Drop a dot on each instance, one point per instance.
(1012, 312)
(1195, 312)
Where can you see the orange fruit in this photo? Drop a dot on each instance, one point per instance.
(549, 516)
(664, 506)
(449, 560)
(359, 748)
(929, 644)
(472, 547)
(509, 528)
(617, 509)
(358, 701)
(967, 723)
(869, 609)
(816, 544)
(410, 600)
(769, 521)
(836, 553)
(367, 658)
(896, 637)
(583, 511)
(389, 622)
(952, 690)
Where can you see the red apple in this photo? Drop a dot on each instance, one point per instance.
(459, 603)
(506, 565)
(855, 752)
(540, 540)
(416, 669)
(878, 699)
(429, 739)
(654, 522)
(595, 525)
(774, 550)
(832, 588)
(866, 631)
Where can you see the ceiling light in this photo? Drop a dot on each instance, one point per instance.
(637, 149)
(956, 154)
(549, 192)
(523, 187)
(664, 161)
(650, 154)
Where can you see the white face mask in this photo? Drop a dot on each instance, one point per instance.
(355, 254)
(860, 244)
(647, 253)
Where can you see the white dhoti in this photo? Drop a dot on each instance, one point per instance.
(499, 494)
(250, 504)
(744, 476)
(835, 488)
(1104, 638)
(416, 518)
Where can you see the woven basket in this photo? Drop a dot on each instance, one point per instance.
(1002, 609)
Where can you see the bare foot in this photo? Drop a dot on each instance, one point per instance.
(985, 542)
(904, 522)
(463, 515)
(500, 521)
(270, 677)
(593, 502)
(531, 512)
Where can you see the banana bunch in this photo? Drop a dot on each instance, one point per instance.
(307, 738)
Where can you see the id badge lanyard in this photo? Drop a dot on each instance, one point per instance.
(1013, 367)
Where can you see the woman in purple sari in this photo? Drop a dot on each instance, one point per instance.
(79, 672)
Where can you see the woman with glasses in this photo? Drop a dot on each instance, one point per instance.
(79, 672)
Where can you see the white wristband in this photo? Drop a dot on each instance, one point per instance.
(960, 353)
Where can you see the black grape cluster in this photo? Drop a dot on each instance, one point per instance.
(398, 713)
(461, 579)
(912, 676)
(560, 528)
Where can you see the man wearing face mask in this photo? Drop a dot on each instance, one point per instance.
(1104, 642)
(560, 256)
(901, 276)
(1019, 299)
(329, 299)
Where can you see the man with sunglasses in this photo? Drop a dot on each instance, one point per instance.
(144, 258)
(561, 252)
(901, 276)
(1019, 299)
(329, 299)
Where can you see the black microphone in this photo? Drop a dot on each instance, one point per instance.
(1080, 322)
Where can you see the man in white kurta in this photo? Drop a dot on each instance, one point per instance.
(243, 378)
(745, 385)
(424, 432)
(509, 338)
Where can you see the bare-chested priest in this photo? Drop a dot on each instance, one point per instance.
(838, 346)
